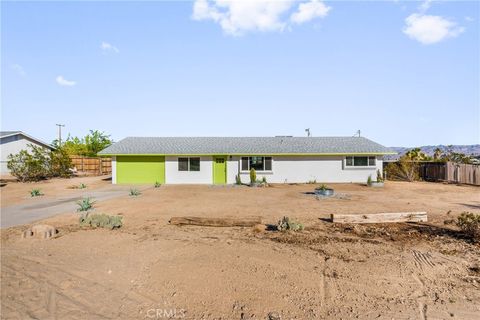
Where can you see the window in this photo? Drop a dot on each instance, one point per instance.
(182, 164)
(360, 161)
(194, 164)
(188, 164)
(257, 163)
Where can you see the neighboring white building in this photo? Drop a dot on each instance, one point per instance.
(218, 160)
(14, 141)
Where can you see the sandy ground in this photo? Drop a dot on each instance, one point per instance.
(151, 270)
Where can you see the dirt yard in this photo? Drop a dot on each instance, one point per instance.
(149, 269)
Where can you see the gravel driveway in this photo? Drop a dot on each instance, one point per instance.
(41, 208)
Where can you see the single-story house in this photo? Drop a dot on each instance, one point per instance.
(218, 160)
(11, 142)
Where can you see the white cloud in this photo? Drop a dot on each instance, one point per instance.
(63, 82)
(108, 47)
(310, 10)
(239, 17)
(469, 19)
(19, 69)
(425, 6)
(429, 29)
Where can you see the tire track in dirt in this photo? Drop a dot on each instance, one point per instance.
(51, 284)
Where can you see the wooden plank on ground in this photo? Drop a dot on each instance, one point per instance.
(217, 222)
(380, 217)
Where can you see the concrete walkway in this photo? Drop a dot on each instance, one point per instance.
(41, 208)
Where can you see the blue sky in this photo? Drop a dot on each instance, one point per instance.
(404, 73)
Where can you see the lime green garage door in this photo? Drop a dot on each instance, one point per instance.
(140, 169)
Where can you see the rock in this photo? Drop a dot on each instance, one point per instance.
(40, 231)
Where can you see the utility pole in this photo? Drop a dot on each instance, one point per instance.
(308, 132)
(60, 133)
(358, 133)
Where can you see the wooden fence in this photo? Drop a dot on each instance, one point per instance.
(450, 172)
(92, 165)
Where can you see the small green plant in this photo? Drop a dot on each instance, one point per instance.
(238, 179)
(100, 221)
(469, 223)
(369, 180)
(312, 181)
(323, 187)
(82, 186)
(286, 224)
(36, 193)
(253, 176)
(85, 205)
(157, 184)
(379, 176)
(264, 180)
(134, 192)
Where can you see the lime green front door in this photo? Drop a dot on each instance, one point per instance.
(140, 169)
(219, 169)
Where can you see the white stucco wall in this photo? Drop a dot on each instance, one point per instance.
(13, 145)
(173, 176)
(301, 169)
(285, 169)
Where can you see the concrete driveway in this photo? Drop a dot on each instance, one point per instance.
(41, 208)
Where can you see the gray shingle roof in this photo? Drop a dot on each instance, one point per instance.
(7, 133)
(244, 145)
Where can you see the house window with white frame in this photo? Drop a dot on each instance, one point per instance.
(360, 161)
(257, 163)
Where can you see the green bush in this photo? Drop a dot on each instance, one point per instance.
(264, 180)
(134, 192)
(157, 184)
(286, 224)
(253, 176)
(323, 187)
(469, 223)
(100, 221)
(36, 193)
(85, 204)
(38, 163)
(82, 186)
(369, 180)
(60, 163)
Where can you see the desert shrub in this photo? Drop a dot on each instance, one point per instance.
(60, 163)
(38, 163)
(157, 184)
(85, 204)
(323, 187)
(134, 192)
(469, 223)
(82, 186)
(312, 181)
(286, 224)
(36, 193)
(369, 180)
(379, 176)
(30, 165)
(405, 169)
(253, 176)
(238, 179)
(100, 221)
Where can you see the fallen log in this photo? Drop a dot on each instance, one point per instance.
(217, 222)
(380, 217)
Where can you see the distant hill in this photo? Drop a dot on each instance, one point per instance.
(468, 149)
